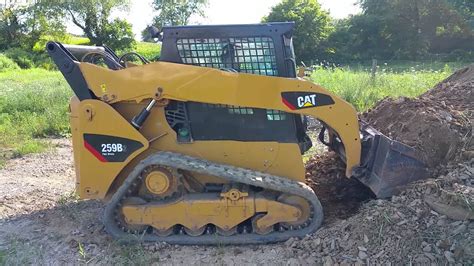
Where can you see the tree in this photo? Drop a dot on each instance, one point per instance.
(93, 18)
(44, 21)
(174, 13)
(312, 29)
(177, 12)
(24, 26)
(11, 29)
(465, 7)
(413, 28)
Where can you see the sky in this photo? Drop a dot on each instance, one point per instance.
(226, 12)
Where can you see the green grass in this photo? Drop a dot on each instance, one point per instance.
(33, 105)
(149, 50)
(358, 88)
(71, 39)
(400, 66)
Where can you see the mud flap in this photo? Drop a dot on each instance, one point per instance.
(387, 166)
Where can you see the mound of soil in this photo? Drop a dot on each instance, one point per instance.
(428, 223)
(438, 124)
(425, 225)
(340, 196)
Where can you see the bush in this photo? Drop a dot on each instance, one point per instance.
(460, 55)
(7, 64)
(43, 60)
(26, 60)
(22, 58)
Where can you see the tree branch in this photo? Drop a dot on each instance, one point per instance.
(74, 20)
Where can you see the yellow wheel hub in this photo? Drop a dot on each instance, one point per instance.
(158, 182)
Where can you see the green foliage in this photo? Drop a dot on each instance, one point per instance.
(71, 39)
(29, 146)
(23, 26)
(33, 104)
(25, 59)
(22, 58)
(312, 29)
(10, 28)
(404, 29)
(118, 34)
(177, 12)
(93, 17)
(465, 8)
(358, 88)
(150, 51)
(7, 64)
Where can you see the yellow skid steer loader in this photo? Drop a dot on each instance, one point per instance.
(205, 145)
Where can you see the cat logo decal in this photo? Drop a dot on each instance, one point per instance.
(306, 101)
(301, 99)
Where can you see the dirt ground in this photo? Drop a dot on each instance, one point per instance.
(42, 221)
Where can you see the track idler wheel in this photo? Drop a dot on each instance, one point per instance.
(300, 203)
(260, 230)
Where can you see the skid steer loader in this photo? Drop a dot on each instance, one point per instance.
(205, 145)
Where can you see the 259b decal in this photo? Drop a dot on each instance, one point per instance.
(110, 148)
(301, 99)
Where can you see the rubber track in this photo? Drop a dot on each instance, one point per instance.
(231, 173)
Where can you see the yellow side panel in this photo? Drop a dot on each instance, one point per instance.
(282, 159)
(94, 176)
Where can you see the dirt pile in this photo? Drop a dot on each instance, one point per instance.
(403, 229)
(438, 124)
(431, 221)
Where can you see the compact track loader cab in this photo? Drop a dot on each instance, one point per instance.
(204, 146)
